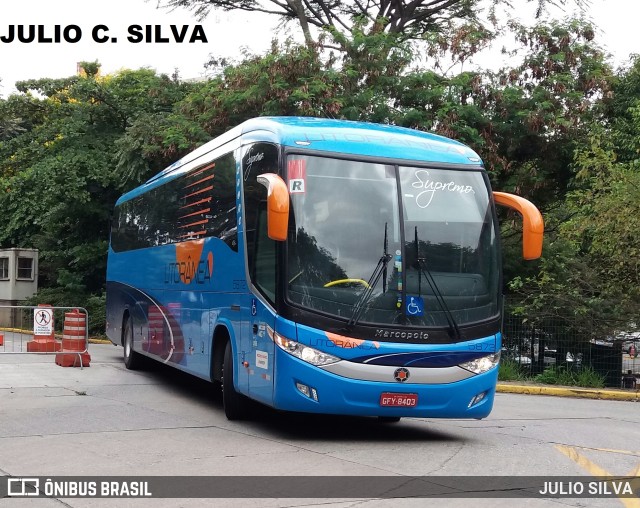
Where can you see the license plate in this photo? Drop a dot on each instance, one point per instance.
(399, 399)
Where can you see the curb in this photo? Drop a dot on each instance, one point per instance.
(558, 391)
(100, 341)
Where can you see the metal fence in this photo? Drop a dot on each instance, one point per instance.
(561, 345)
(46, 330)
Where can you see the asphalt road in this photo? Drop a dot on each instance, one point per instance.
(105, 421)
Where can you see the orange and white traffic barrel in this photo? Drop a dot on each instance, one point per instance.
(74, 341)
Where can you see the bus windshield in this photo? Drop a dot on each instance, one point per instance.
(391, 244)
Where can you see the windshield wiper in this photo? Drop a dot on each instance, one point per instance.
(423, 269)
(380, 269)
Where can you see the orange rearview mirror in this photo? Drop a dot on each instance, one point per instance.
(532, 223)
(277, 206)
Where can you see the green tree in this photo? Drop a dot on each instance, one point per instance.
(59, 171)
(590, 271)
(78, 143)
(405, 20)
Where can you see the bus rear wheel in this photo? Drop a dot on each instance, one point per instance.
(236, 405)
(132, 360)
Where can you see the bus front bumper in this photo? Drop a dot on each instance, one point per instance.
(300, 386)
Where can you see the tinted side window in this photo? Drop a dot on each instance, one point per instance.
(261, 250)
(207, 203)
(127, 226)
(199, 204)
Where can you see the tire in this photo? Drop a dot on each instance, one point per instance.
(132, 360)
(236, 406)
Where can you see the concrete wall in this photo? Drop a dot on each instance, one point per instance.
(13, 286)
(16, 285)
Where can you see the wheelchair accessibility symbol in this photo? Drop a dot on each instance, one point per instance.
(415, 306)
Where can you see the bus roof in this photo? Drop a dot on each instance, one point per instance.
(362, 138)
(338, 137)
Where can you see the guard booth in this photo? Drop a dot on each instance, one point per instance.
(18, 279)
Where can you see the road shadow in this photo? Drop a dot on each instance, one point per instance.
(302, 426)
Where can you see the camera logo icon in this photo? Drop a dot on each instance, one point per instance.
(23, 487)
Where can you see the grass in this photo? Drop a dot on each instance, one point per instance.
(585, 377)
(589, 378)
(510, 371)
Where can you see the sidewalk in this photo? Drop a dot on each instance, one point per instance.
(568, 391)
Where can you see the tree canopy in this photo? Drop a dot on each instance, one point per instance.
(60, 172)
(558, 126)
(591, 268)
(405, 20)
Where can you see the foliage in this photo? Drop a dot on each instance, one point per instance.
(524, 121)
(287, 81)
(622, 110)
(510, 370)
(558, 127)
(585, 377)
(64, 297)
(590, 267)
(59, 170)
(562, 375)
(444, 20)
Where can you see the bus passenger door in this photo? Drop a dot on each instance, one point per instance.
(263, 274)
(261, 357)
(258, 159)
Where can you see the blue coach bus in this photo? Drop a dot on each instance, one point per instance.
(319, 266)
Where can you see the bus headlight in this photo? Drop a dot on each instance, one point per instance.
(305, 353)
(482, 365)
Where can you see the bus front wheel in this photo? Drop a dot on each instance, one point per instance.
(236, 405)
